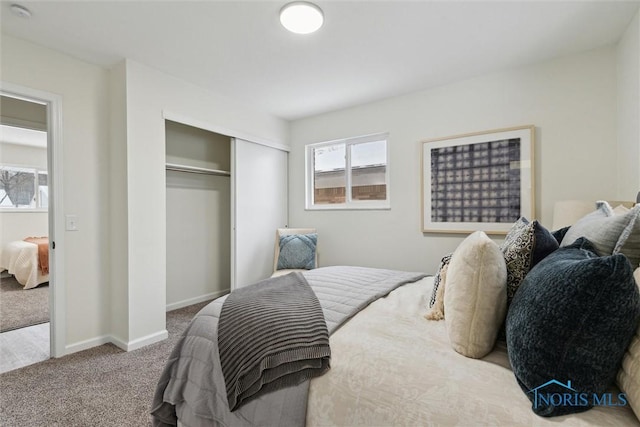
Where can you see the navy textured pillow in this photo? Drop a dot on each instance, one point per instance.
(298, 251)
(569, 325)
(545, 243)
(560, 233)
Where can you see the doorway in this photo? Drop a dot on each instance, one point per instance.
(29, 133)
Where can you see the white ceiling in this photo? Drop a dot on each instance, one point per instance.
(366, 50)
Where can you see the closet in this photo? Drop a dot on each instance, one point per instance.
(225, 199)
(198, 209)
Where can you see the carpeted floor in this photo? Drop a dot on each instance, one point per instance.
(21, 307)
(99, 387)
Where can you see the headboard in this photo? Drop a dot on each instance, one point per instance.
(567, 212)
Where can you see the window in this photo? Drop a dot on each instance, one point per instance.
(351, 173)
(23, 188)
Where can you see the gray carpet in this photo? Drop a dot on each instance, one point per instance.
(99, 387)
(21, 307)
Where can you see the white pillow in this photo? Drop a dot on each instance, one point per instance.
(628, 378)
(475, 300)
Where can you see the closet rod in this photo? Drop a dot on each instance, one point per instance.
(195, 169)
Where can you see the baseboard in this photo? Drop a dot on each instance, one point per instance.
(140, 342)
(126, 346)
(196, 300)
(144, 341)
(87, 344)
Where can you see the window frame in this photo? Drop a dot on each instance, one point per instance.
(26, 209)
(349, 203)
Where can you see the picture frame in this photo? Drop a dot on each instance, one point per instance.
(478, 181)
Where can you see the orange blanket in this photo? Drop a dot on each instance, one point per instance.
(43, 252)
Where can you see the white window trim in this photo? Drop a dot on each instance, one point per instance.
(349, 204)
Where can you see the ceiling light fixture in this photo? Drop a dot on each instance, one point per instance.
(301, 17)
(20, 11)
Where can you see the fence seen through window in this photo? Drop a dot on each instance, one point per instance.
(349, 173)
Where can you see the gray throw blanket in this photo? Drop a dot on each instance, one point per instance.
(192, 387)
(271, 335)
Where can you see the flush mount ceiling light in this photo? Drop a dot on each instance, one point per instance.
(301, 17)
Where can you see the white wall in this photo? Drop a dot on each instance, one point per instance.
(23, 155)
(18, 225)
(85, 132)
(628, 62)
(571, 101)
(150, 96)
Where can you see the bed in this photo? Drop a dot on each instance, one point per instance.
(391, 366)
(27, 261)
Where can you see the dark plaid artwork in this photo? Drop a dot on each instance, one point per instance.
(476, 182)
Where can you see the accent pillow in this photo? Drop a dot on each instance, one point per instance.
(609, 233)
(628, 378)
(560, 233)
(526, 244)
(571, 321)
(298, 251)
(436, 303)
(475, 299)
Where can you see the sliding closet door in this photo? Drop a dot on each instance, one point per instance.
(259, 180)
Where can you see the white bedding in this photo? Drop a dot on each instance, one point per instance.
(20, 258)
(390, 366)
(192, 385)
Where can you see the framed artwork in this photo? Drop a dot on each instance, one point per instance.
(478, 181)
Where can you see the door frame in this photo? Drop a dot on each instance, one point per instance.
(57, 289)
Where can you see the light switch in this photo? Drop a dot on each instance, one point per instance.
(71, 222)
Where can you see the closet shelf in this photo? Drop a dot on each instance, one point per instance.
(194, 169)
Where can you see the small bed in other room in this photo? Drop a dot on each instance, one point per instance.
(27, 260)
